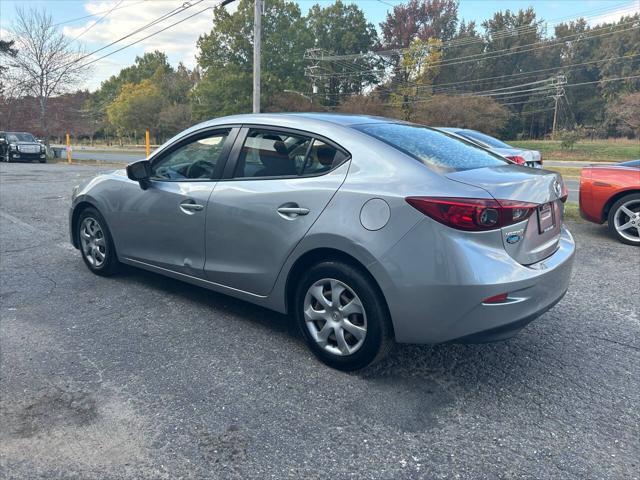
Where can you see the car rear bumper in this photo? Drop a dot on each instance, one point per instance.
(442, 300)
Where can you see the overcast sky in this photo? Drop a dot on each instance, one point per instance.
(116, 18)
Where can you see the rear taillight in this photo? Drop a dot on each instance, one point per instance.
(517, 159)
(565, 193)
(473, 214)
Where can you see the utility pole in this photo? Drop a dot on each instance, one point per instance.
(560, 80)
(257, 40)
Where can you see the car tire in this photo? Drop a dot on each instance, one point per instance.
(368, 311)
(617, 217)
(43, 160)
(96, 244)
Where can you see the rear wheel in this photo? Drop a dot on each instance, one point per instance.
(624, 219)
(342, 316)
(96, 245)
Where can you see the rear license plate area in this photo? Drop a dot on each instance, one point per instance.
(546, 218)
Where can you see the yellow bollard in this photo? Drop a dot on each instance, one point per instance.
(68, 148)
(147, 143)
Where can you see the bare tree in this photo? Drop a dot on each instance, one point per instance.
(46, 64)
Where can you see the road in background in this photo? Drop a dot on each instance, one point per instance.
(141, 376)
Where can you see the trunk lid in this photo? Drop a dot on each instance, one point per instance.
(537, 237)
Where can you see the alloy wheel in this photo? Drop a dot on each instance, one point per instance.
(627, 220)
(93, 242)
(335, 317)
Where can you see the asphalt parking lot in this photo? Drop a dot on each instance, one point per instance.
(139, 376)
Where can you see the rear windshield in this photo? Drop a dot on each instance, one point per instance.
(486, 139)
(432, 147)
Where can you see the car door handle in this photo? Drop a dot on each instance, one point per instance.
(191, 207)
(293, 211)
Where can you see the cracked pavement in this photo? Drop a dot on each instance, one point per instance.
(140, 376)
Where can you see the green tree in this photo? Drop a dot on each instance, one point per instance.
(136, 107)
(6, 51)
(226, 54)
(144, 67)
(341, 29)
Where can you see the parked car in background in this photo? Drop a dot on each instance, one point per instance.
(21, 147)
(365, 229)
(530, 158)
(611, 193)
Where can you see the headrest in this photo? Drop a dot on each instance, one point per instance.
(325, 154)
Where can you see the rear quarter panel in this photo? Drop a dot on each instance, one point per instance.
(598, 185)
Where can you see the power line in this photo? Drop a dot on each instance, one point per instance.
(96, 14)
(492, 55)
(219, 4)
(504, 33)
(159, 19)
(603, 80)
(97, 21)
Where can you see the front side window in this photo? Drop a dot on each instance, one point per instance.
(196, 160)
(431, 147)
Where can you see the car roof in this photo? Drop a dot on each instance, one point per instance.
(342, 119)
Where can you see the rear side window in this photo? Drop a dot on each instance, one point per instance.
(431, 147)
(269, 153)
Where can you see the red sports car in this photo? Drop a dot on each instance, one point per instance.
(611, 193)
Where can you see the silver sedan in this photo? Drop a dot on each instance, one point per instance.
(366, 230)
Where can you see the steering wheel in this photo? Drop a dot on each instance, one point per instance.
(200, 169)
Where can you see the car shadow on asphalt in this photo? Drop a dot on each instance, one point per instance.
(433, 363)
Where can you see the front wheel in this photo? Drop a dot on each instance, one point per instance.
(96, 245)
(624, 219)
(342, 316)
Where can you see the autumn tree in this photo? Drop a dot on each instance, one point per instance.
(370, 104)
(478, 113)
(419, 19)
(136, 108)
(624, 114)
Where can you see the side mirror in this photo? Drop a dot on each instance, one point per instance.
(140, 172)
(2, 141)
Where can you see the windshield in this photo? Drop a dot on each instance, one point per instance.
(481, 137)
(20, 137)
(432, 147)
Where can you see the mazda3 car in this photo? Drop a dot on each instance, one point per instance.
(366, 230)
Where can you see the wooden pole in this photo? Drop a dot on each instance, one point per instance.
(68, 148)
(147, 143)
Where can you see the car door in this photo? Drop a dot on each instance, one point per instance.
(164, 224)
(279, 183)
